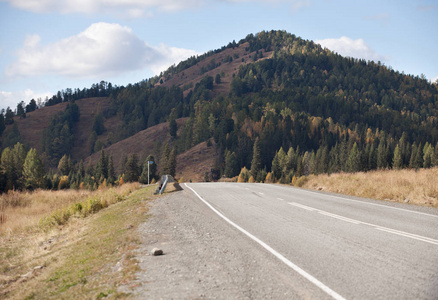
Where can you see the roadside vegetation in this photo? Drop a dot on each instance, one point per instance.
(418, 187)
(70, 244)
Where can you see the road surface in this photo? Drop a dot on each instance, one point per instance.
(293, 243)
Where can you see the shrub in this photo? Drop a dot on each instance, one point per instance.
(301, 181)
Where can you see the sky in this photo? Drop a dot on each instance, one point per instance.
(51, 45)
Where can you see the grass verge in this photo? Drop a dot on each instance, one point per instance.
(408, 186)
(84, 258)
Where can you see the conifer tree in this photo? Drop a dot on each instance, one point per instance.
(102, 167)
(111, 172)
(231, 167)
(33, 171)
(64, 165)
(19, 155)
(353, 163)
(419, 157)
(276, 167)
(382, 155)
(427, 155)
(173, 127)
(397, 162)
(171, 163)
(256, 163)
(164, 161)
(8, 169)
(132, 172)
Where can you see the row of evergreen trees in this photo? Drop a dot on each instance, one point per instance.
(348, 156)
(24, 170)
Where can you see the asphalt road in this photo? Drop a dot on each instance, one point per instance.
(343, 248)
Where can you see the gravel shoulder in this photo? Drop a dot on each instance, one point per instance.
(205, 258)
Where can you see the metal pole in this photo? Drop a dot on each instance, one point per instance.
(148, 172)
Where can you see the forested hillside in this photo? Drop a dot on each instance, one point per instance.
(274, 103)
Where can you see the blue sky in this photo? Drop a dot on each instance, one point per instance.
(50, 45)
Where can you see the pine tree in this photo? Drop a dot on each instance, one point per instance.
(64, 165)
(171, 163)
(397, 162)
(173, 127)
(276, 166)
(33, 171)
(428, 155)
(164, 161)
(353, 163)
(322, 160)
(256, 163)
(231, 166)
(382, 155)
(102, 167)
(19, 153)
(111, 172)
(419, 157)
(132, 172)
(8, 169)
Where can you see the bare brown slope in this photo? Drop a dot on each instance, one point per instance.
(191, 165)
(31, 128)
(194, 163)
(193, 75)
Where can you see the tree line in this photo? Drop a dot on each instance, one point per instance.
(22, 169)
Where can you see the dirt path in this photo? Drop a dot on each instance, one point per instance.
(205, 258)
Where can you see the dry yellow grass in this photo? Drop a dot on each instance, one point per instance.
(70, 261)
(22, 211)
(410, 186)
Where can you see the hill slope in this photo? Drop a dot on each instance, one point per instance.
(311, 110)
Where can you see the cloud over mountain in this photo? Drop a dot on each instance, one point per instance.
(352, 48)
(103, 49)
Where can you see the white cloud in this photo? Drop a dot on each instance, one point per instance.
(128, 7)
(352, 48)
(101, 50)
(11, 99)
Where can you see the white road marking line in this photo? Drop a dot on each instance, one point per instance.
(261, 193)
(340, 217)
(369, 203)
(302, 206)
(297, 269)
(409, 235)
(280, 199)
(378, 227)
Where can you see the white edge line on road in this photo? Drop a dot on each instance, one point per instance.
(369, 203)
(378, 227)
(297, 269)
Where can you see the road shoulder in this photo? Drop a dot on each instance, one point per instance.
(206, 258)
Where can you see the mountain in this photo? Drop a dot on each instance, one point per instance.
(312, 111)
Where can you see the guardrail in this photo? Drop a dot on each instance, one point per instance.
(163, 184)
